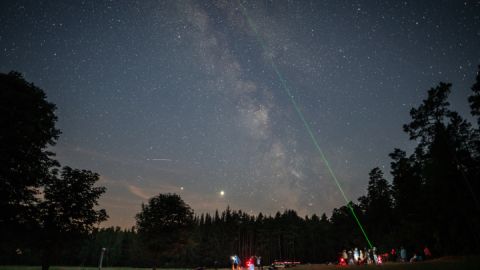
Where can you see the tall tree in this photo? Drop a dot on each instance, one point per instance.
(27, 128)
(377, 206)
(407, 194)
(346, 230)
(474, 99)
(444, 158)
(68, 209)
(429, 117)
(164, 224)
(406, 185)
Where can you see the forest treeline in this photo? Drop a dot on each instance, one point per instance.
(433, 199)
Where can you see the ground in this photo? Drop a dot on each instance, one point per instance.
(446, 263)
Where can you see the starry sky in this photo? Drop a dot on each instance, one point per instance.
(182, 96)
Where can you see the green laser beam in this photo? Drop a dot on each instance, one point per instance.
(305, 124)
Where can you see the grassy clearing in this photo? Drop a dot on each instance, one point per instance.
(449, 263)
(15, 267)
(12, 267)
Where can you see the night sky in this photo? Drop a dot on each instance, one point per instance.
(182, 97)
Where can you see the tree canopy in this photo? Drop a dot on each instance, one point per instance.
(27, 121)
(39, 209)
(67, 210)
(474, 99)
(163, 226)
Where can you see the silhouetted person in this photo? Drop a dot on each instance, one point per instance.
(403, 254)
(427, 253)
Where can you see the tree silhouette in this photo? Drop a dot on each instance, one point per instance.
(163, 225)
(444, 157)
(474, 99)
(35, 201)
(67, 211)
(430, 115)
(407, 193)
(378, 207)
(27, 124)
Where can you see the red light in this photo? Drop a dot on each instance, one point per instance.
(379, 260)
(249, 262)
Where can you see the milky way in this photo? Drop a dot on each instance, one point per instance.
(181, 96)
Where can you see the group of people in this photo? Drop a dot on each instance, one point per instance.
(370, 256)
(419, 255)
(360, 256)
(250, 263)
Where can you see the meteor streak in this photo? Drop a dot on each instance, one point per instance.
(159, 159)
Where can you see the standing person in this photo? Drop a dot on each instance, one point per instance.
(356, 255)
(259, 262)
(393, 255)
(350, 257)
(427, 253)
(235, 262)
(371, 258)
(251, 263)
(403, 254)
(365, 256)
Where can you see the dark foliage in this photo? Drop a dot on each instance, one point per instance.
(67, 211)
(40, 212)
(27, 123)
(163, 226)
(377, 207)
(474, 99)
